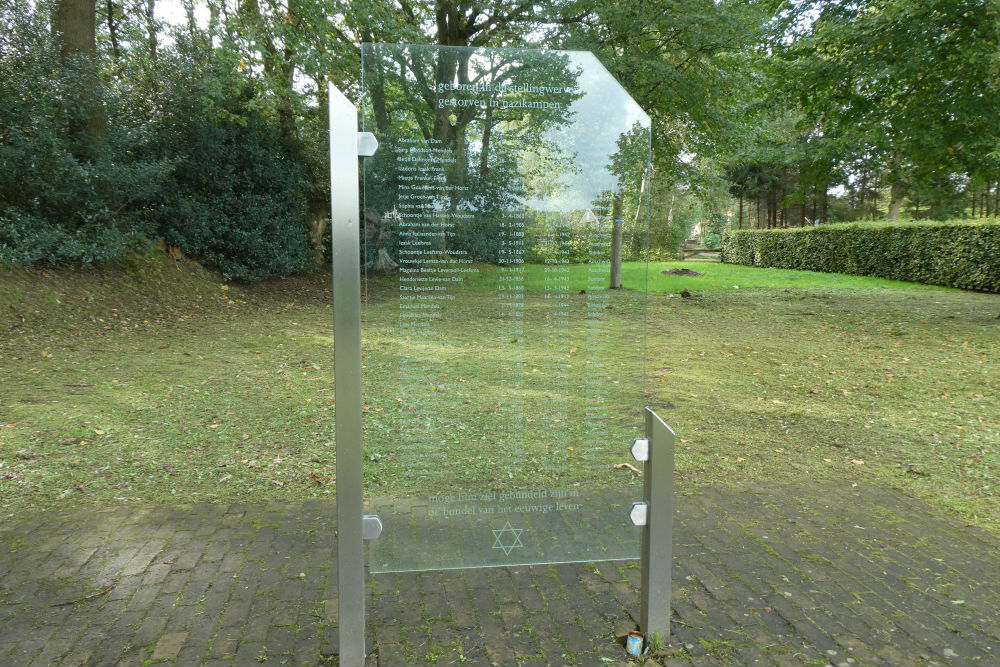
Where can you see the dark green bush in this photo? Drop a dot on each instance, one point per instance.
(187, 155)
(61, 201)
(954, 254)
(236, 195)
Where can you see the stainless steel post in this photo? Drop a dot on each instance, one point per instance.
(347, 372)
(657, 533)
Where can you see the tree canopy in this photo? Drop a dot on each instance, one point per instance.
(119, 127)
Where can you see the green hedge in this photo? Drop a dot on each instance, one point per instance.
(954, 254)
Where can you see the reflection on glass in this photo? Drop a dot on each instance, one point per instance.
(504, 378)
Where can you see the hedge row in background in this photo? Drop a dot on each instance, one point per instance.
(954, 254)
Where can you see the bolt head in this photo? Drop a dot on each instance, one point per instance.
(638, 513)
(640, 449)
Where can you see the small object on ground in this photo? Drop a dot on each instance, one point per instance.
(85, 598)
(628, 466)
(634, 643)
(686, 294)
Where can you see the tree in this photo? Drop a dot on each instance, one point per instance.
(74, 28)
(497, 153)
(911, 86)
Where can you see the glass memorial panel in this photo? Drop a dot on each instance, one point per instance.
(503, 378)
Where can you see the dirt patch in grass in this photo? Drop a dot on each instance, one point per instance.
(679, 272)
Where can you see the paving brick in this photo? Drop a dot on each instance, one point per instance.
(737, 551)
(169, 645)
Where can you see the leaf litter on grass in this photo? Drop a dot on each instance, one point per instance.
(232, 398)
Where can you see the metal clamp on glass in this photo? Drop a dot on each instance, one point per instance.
(371, 527)
(367, 144)
(638, 513)
(640, 449)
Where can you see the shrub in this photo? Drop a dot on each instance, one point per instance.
(60, 201)
(236, 195)
(713, 240)
(953, 254)
(188, 156)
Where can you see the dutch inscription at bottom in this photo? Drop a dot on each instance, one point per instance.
(504, 502)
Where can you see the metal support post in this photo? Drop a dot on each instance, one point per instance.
(352, 527)
(655, 513)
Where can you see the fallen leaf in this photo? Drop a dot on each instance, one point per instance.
(858, 462)
(99, 431)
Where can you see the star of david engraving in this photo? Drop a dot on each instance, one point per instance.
(507, 538)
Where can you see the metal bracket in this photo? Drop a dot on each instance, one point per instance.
(346, 143)
(655, 514)
(371, 527)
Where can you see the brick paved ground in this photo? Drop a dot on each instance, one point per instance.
(768, 575)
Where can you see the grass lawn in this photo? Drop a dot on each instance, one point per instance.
(713, 276)
(154, 383)
(716, 276)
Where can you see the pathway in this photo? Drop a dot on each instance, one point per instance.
(811, 574)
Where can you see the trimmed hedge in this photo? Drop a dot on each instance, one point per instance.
(953, 254)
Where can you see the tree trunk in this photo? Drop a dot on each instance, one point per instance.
(192, 24)
(740, 226)
(639, 209)
(74, 25)
(895, 200)
(484, 151)
(814, 198)
(113, 35)
(286, 96)
(670, 223)
(213, 22)
(151, 29)
(377, 91)
(317, 228)
(616, 243)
